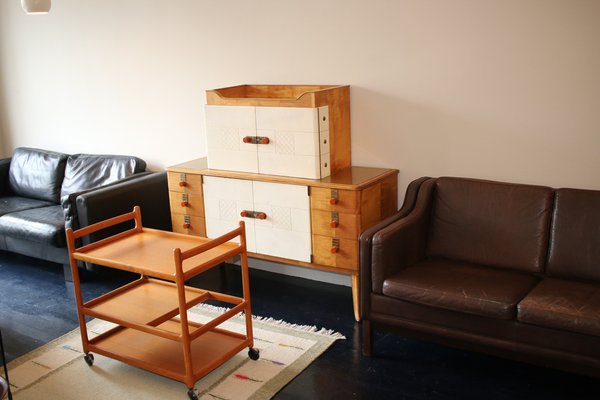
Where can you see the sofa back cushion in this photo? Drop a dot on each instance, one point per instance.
(489, 223)
(87, 171)
(575, 236)
(37, 174)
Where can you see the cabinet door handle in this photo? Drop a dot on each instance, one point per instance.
(333, 201)
(184, 204)
(334, 224)
(182, 183)
(253, 214)
(256, 139)
(186, 225)
(335, 249)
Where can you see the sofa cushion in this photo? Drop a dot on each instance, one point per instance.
(43, 225)
(502, 225)
(562, 304)
(457, 286)
(37, 174)
(575, 236)
(86, 171)
(11, 204)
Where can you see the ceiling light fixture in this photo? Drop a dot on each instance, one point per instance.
(33, 7)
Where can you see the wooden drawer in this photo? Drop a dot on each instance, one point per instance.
(346, 256)
(324, 224)
(187, 203)
(196, 225)
(182, 182)
(343, 201)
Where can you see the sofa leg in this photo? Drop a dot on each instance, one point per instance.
(67, 273)
(367, 338)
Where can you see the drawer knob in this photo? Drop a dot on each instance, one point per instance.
(182, 183)
(333, 201)
(253, 214)
(334, 224)
(186, 226)
(184, 204)
(256, 139)
(335, 249)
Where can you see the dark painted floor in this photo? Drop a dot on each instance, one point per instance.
(36, 306)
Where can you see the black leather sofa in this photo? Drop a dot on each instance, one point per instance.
(43, 192)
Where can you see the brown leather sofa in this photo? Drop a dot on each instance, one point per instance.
(506, 269)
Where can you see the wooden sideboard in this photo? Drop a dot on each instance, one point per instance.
(316, 225)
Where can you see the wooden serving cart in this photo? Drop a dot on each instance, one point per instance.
(153, 331)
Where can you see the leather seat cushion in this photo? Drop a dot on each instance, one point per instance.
(87, 171)
(43, 225)
(562, 304)
(463, 287)
(37, 174)
(11, 204)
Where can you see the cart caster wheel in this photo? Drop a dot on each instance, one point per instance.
(254, 354)
(89, 359)
(192, 395)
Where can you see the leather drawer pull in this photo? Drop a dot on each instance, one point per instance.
(335, 245)
(184, 200)
(182, 180)
(256, 139)
(334, 197)
(253, 214)
(335, 220)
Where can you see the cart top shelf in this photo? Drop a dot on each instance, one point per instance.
(152, 252)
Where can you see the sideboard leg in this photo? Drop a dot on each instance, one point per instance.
(356, 297)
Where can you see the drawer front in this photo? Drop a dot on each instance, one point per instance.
(334, 224)
(182, 182)
(335, 252)
(187, 203)
(188, 224)
(347, 201)
(226, 128)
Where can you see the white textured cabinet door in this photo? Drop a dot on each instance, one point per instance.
(224, 200)
(298, 144)
(294, 147)
(286, 230)
(226, 127)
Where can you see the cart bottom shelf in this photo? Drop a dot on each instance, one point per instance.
(164, 356)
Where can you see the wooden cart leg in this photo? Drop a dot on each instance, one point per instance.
(77, 288)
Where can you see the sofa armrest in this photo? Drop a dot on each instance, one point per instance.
(69, 204)
(4, 167)
(150, 192)
(397, 242)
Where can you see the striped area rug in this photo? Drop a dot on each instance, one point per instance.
(57, 370)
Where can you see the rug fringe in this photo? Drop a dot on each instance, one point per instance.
(279, 322)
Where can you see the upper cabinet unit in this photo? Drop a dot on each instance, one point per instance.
(289, 130)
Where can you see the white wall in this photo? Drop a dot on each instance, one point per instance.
(505, 90)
